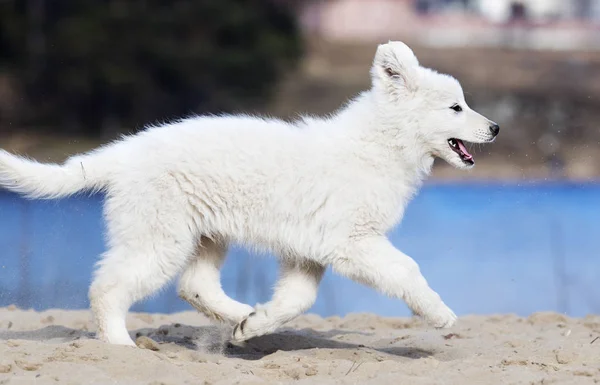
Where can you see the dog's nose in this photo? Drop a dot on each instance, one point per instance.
(495, 129)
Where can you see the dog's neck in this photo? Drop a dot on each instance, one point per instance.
(383, 139)
(398, 162)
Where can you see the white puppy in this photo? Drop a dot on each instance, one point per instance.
(316, 192)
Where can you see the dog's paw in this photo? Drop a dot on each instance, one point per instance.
(441, 317)
(255, 324)
(227, 312)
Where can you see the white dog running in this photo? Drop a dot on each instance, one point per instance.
(315, 192)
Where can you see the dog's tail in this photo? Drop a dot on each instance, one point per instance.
(49, 181)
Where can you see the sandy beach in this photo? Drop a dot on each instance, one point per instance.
(57, 347)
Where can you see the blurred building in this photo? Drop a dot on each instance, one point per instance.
(501, 11)
(544, 24)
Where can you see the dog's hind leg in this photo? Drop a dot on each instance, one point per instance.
(294, 294)
(200, 284)
(377, 263)
(148, 247)
(125, 276)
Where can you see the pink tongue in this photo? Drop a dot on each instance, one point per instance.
(462, 148)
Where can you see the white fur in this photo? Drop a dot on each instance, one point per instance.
(315, 192)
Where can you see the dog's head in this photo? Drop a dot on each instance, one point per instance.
(428, 107)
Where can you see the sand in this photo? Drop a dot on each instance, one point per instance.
(57, 347)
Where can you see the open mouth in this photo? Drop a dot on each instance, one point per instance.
(458, 147)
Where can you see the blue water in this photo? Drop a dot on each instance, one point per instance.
(486, 248)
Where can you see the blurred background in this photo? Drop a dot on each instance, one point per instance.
(518, 233)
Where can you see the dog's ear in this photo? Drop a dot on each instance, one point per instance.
(396, 65)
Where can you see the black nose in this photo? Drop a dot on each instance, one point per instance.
(495, 129)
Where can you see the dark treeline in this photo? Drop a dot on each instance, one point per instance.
(93, 67)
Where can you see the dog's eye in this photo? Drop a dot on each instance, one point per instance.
(456, 108)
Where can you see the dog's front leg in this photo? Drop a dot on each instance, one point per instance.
(295, 292)
(377, 263)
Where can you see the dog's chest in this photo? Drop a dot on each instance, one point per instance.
(382, 205)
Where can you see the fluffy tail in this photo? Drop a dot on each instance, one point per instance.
(49, 181)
